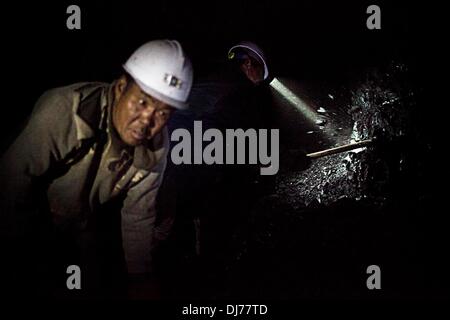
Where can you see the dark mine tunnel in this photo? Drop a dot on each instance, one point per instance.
(311, 230)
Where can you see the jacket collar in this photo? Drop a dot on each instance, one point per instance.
(88, 116)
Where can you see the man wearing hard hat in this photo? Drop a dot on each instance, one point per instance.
(242, 98)
(251, 60)
(89, 148)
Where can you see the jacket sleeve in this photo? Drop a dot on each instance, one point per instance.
(138, 220)
(43, 141)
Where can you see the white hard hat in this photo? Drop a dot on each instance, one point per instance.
(161, 70)
(256, 50)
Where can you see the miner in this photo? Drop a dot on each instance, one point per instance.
(80, 181)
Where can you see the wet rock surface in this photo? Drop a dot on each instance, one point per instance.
(380, 109)
(317, 231)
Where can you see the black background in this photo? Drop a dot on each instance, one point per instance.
(306, 40)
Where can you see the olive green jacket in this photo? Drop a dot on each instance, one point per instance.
(63, 122)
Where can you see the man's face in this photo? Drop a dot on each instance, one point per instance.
(137, 116)
(253, 70)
